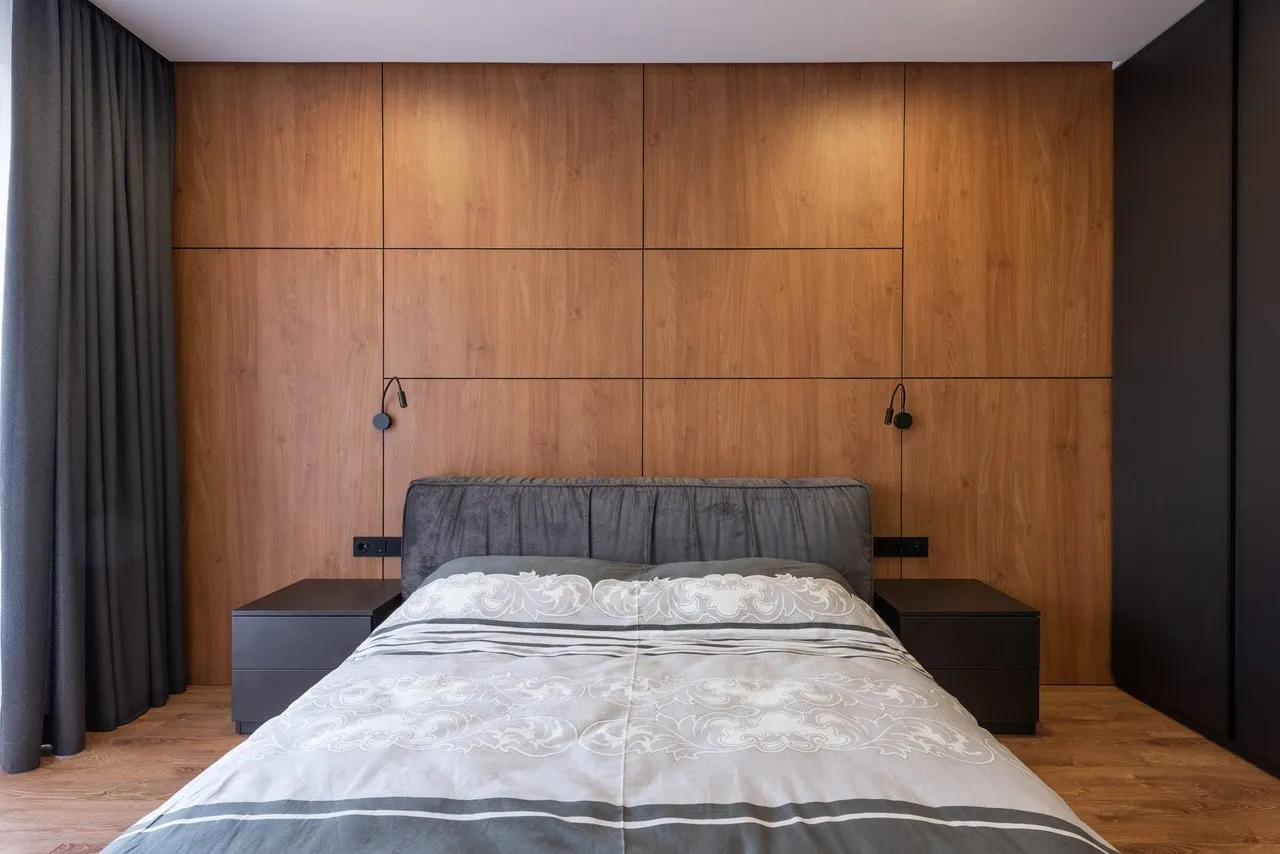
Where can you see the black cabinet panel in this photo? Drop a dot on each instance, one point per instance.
(988, 643)
(1173, 352)
(285, 642)
(294, 643)
(1003, 701)
(978, 643)
(259, 695)
(1258, 383)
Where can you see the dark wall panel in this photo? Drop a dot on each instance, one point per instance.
(1172, 546)
(1257, 395)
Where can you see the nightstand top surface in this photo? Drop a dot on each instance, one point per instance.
(958, 597)
(325, 596)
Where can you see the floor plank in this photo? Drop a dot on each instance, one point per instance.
(1148, 784)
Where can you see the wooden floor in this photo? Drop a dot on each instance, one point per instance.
(1141, 780)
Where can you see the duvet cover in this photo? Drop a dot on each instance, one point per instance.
(538, 705)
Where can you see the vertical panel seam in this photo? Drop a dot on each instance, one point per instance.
(644, 254)
(1232, 366)
(902, 243)
(382, 177)
(902, 318)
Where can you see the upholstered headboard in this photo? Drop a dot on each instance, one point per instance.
(640, 520)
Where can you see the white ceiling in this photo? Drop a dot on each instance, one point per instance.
(647, 30)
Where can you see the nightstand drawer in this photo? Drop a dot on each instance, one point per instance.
(987, 643)
(1003, 701)
(259, 695)
(294, 643)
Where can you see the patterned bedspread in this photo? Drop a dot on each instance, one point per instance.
(748, 706)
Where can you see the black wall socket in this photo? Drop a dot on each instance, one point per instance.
(375, 547)
(901, 546)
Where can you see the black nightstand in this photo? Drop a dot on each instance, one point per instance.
(979, 644)
(283, 643)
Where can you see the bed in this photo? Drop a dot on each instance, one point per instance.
(624, 666)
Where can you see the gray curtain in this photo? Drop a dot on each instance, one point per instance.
(91, 587)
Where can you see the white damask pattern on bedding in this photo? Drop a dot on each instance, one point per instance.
(765, 699)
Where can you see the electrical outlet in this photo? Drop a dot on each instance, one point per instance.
(915, 546)
(901, 546)
(375, 547)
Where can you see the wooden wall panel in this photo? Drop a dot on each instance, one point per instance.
(777, 428)
(1011, 480)
(513, 313)
(562, 428)
(1008, 241)
(513, 156)
(773, 156)
(798, 313)
(279, 356)
(779, 308)
(277, 155)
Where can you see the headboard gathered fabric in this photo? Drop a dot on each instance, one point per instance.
(639, 520)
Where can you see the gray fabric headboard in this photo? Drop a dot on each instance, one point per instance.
(640, 520)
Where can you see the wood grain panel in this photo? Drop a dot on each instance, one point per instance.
(277, 155)
(1011, 480)
(550, 428)
(513, 156)
(1008, 237)
(777, 428)
(513, 313)
(802, 313)
(773, 156)
(279, 356)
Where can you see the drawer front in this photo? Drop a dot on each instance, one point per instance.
(1001, 700)
(259, 695)
(294, 643)
(984, 643)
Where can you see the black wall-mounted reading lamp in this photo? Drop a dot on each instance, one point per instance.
(902, 420)
(382, 420)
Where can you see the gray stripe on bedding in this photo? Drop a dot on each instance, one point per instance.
(543, 827)
(639, 813)
(571, 653)
(436, 646)
(476, 625)
(523, 648)
(403, 835)
(630, 638)
(633, 643)
(631, 628)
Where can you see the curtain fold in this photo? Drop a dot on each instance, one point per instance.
(91, 632)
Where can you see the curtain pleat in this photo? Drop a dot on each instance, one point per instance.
(91, 591)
